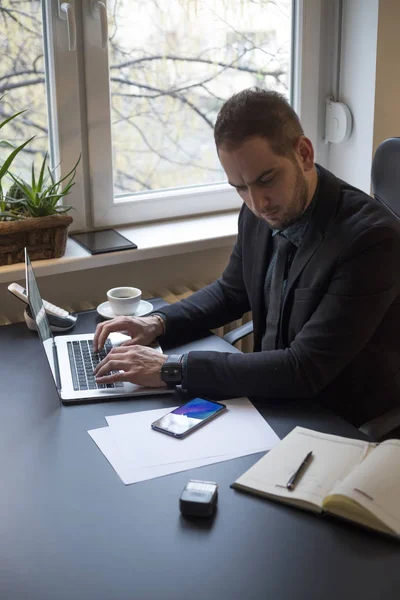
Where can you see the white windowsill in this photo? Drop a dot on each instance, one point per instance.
(154, 240)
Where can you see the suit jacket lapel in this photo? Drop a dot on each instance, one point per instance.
(328, 196)
(310, 244)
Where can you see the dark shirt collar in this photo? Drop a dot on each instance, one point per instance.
(296, 231)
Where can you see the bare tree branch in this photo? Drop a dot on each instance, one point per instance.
(167, 93)
(12, 86)
(275, 73)
(25, 122)
(10, 12)
(150, 93)
(178, 146)
(129, 177)
(20, 73)
(150, 146)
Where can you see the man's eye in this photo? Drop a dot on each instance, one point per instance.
(267, 181)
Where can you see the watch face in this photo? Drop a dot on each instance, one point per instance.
(171, 371)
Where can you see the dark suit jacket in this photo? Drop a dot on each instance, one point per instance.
(340, 330)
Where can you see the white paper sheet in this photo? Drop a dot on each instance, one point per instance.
(239, 431)
(105, 441)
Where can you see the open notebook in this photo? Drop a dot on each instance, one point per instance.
(349, 478)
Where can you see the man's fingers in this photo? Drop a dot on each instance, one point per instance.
(138, 329)
(121, 374)
(101, 364)
(112, 378)
(111, 365)
(110, 355)
(101, 335)
(103, 331)
(96, 336)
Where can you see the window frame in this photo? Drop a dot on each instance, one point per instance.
(88, 100)
(64, 77)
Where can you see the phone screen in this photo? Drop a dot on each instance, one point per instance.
(188, 417)
(106, 240)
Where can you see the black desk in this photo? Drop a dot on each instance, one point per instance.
(69, 529)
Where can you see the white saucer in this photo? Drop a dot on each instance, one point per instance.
(107, 312)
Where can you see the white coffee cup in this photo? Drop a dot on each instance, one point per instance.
(124, 300)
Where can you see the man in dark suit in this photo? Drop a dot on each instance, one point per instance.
(316, 261)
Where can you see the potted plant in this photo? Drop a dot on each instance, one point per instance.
(29, 212)
(7, 163)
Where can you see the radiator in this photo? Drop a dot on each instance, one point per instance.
(169, 295)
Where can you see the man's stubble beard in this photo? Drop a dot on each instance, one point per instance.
(298, 203)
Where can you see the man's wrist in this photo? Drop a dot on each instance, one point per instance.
(159, 324)
(171, 370)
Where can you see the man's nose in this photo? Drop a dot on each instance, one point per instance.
(259, 200)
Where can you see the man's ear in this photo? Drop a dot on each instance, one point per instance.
(305, 153)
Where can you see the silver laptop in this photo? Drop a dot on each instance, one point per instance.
(71, 357)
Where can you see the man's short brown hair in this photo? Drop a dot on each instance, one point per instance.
(256, 112)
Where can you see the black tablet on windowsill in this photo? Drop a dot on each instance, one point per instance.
(106, 240)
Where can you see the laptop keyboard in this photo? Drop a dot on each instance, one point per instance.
(83, 361)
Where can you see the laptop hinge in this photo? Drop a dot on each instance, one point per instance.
(56, 367)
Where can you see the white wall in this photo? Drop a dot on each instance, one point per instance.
(352, 160)
(369, 84)
(387, 92)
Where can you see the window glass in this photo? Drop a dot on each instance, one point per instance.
(22, 83)
(172, 65)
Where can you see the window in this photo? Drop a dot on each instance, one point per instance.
(39, 75)
(169, 80)
(22, 80)
(134, 86)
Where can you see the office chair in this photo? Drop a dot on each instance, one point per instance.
(385, 174)
(385, 179)
(232, 337)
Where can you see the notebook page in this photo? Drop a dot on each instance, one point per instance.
(375, 484)
(333, 458)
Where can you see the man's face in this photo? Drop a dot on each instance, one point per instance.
(275, 188)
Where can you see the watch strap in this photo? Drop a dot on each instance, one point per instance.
(171, 370)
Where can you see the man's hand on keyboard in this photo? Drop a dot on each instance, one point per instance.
(139, 364)
(143, 330)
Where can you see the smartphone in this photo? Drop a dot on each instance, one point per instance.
(187, 418)
(105, 240)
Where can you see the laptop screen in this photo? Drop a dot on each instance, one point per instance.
(40, 317)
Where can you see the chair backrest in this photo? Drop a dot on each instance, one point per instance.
(385, 178)
(385, 174)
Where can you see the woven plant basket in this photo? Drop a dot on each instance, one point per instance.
(44, 237)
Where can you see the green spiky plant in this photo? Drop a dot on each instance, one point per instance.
(5, 212)
(40, 197)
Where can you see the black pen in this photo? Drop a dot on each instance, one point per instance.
(297, 474)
